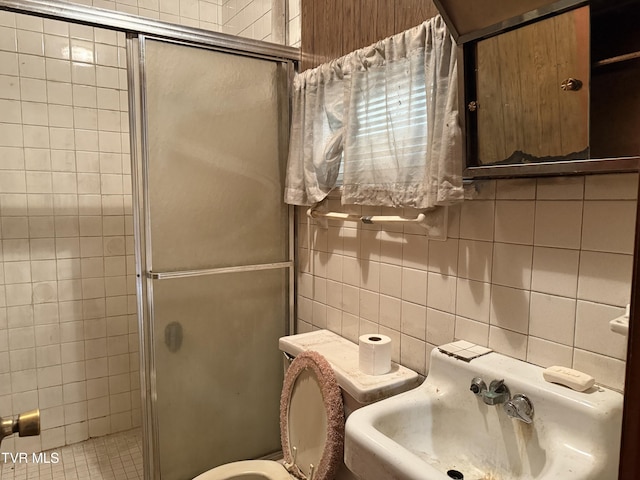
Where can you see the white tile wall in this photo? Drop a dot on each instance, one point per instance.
(534, 269)
(245, 18)
(294, 23)
(68, 330)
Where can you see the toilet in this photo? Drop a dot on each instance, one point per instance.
(322, 386)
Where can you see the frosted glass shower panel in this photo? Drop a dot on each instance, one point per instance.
(217, 150)
(218, 367)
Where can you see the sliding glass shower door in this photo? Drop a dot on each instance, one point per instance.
(214, 241)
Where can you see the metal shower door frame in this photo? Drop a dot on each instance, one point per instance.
(142, 232)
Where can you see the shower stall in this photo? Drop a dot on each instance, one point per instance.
(147, 253)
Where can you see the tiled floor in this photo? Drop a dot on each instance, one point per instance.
(114, 457)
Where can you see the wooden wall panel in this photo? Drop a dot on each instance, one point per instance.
(307, 44)
(333, 28)
(329, 34)
(385, 20)
(409, 13)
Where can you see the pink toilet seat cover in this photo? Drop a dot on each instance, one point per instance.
(334, 446)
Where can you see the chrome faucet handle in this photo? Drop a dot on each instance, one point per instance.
(520, 408)
(478, 386)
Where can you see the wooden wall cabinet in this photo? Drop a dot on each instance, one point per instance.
(552, 91)
(532, 92)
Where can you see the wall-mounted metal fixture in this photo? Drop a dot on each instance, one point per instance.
(26, 425)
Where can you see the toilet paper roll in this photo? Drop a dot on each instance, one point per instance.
(374, 354)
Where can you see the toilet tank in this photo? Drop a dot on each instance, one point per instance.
(358, 388)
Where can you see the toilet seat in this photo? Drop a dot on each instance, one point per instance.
(247, 470)
(299, 428)
(311, 428)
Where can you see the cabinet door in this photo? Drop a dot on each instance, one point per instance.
(532, 92)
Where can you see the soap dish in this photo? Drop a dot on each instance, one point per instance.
(621, 324)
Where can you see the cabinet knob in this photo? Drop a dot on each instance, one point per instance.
(571, 84)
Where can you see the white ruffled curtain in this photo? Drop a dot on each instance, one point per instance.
(388, 112)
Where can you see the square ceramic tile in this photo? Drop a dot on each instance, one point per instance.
(319, 315)
(507, 342)
(510, 308)
(555, 271)
(370, 275)
(593, 332)
(472, 331)
(473, 300)
(31, 43)
(605, 278)
(609, 226)
(414, 286)
(552, 318)
(11, 135)
(443, 256)
(351, 299)
(350, 327)
(558, 224)
(440, 327)
(9, 87)
(413, 353)
(512, 265)
(391, 244)
(10, 111)
(560, 188)
(334, 294)
(390, 312)
(369, 305)
(305, 309)
(414, 320)
(9, 64)
(8, 39)
(453, 223)
(546, 354)
(516, 189)
(350, 271)
(58, 71)
(475, 260)
(514, 221)
(415, 251)
(478, 350)
(60, 93)
(450, 348)
(35, 114)
(441, 292)
(622, 186)
(477, 220)
(607, 371)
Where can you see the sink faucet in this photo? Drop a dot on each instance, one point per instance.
(520, 408)
(496, 394)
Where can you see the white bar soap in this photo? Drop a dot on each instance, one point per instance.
(569, 378)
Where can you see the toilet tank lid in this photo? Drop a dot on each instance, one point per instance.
(343, 357)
